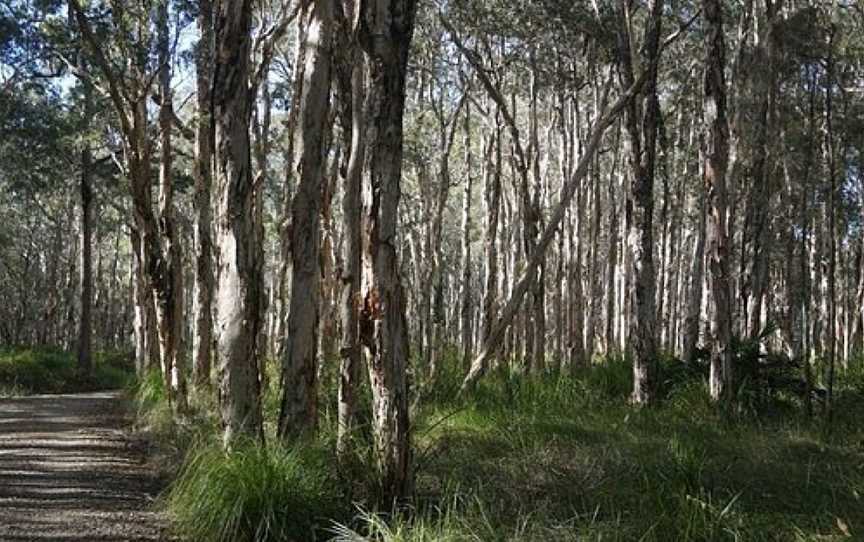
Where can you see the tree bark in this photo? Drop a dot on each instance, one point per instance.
(202, 340)
(641, 121)
(238, 290)
(467, 297)
(171, 291)
(285, 248)
(533, 224)
(492, 198)
(697, 271)
(754, 266)
(832, 234)
(349, 306)
(386, 30)
(716, 133)
(298, 413)
(85, 323)
(129, 95)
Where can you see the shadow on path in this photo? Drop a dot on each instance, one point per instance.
(69, 471)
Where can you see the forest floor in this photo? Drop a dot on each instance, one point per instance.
(70, 470)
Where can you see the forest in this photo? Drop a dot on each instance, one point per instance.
(431, 270)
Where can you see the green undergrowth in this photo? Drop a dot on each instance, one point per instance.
(25, 371)
(566, 458)
(551, 457)
(256, 492)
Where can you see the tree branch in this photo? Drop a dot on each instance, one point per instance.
(266, 43)
(503, 321)
(116, 90)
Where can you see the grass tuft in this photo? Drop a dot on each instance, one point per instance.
(255, 493)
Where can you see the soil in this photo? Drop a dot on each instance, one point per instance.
(71, 470)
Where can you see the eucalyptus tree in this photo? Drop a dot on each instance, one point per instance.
(202, 338)
(385, 29)
(237, 295)
(128, 74)
(298, 411)
(641, 122)
(350, 82)
(716, 156)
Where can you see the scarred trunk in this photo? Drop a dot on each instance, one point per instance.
(386, 30)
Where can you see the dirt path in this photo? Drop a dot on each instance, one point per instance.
(69, 471)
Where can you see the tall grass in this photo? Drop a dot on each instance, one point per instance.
(543, 457)
(256, 493)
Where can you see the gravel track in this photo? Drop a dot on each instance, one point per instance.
(70, 470)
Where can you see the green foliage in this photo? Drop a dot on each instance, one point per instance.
(48, 370)
(852, 377)
(764, 380)
(176, 437)
(149, 390)
(256, 493)
(612, 378)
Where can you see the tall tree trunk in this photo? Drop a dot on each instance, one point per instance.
(832, 230)
(285, 248)
(299, 403)
(349, 351)
(202, 340)
(694, 297)
(611, 267)
(756, 228)
(492, 198)
(238, 296)
(146, 337)
(804, 264)
(85, 324)
(447, 132)
(387, 27)
(467, 296)
(260, 127)
(641, 121)
(857, 331)
(129, 96)
(532, 228)
(171, 290)
(716, 136)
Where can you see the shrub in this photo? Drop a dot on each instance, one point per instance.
(50, 370)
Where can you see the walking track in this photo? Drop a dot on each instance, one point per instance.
(70, 471)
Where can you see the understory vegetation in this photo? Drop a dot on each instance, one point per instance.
(50, 370)
(551, 457)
